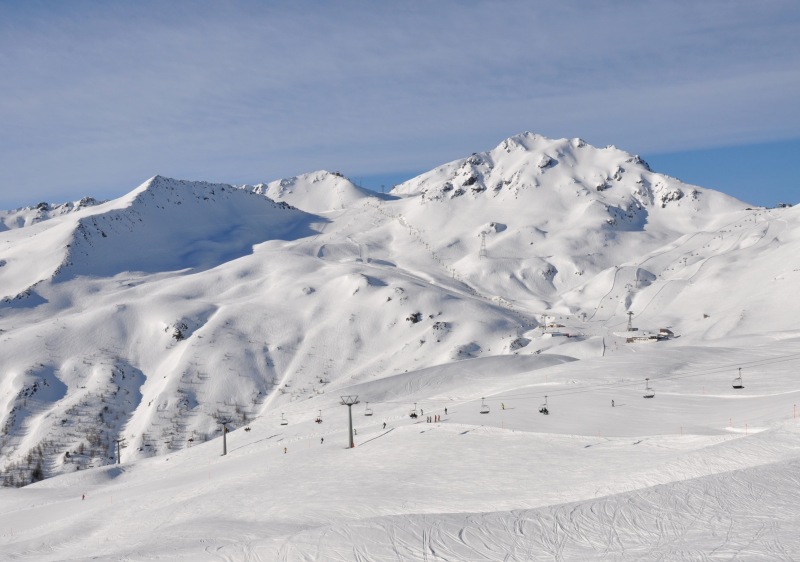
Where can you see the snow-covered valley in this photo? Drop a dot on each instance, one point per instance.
(502, 281)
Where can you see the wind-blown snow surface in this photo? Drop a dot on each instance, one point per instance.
(153, 317)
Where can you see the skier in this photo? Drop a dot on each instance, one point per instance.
(502, 406)
(384, 425)
(83, 497)
(321, 440)
(612, 403)
(445, 411)
(284, 450)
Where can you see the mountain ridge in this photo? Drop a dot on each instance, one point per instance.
(219, 301)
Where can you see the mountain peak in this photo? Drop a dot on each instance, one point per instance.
(316, 192)
(532, 167)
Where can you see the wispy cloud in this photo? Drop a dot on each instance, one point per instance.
(98, 96)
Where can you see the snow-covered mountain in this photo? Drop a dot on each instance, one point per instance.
(317, 192)
(27, 216)
(500, 278)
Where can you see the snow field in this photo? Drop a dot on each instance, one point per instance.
(512, 465)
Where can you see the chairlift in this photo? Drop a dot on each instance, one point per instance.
(319, 417)
(737, 382)
(543, 408)
(368, 411)
(284, 421)
(648, 392)
(484, 406)
(413, 413)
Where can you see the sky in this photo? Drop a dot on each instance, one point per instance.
(96, 97)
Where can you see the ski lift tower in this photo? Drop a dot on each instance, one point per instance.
(119, 459)
(630, 321)
(349, 401)
(224, 423)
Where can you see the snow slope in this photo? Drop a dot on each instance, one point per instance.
(28, 216)
(500, 278)
(163, 225)
(670, 477)
(317, 192)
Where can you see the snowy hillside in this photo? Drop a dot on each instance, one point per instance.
(27, 216)
(554, 213)
(317, 192)
(503, 279)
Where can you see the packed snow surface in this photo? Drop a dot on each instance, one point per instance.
(477, 296)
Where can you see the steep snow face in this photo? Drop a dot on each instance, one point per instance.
(317, 192)
(173, 224)
(163, 225)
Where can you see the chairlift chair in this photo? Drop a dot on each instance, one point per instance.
(368, 410)
(648, 392)
(413, 413)
(319, 417)
(284, 421)
(737, 382)
(543, 409)
(484, 406)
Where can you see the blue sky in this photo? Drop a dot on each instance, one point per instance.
(98, 96)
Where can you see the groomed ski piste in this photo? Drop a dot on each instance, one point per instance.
(701, 471)
(498, 282)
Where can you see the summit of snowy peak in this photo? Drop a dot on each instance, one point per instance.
(529, 141)
(541, 171)
(515, 162)
(170, 224)
(174, 190)
(163, 225)
(316, 192)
